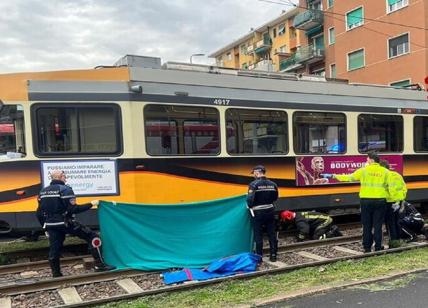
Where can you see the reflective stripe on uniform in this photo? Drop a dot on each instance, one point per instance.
(68, 197)
(54, 223)
(262, 207)
(49, 196)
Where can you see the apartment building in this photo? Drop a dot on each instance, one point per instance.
(364, 41)
(380, 42)
(264, 48)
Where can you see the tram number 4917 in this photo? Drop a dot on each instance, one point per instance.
(221, 101)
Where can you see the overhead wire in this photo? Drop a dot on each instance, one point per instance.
(287, 2)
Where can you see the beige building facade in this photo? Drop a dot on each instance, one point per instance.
(263, 48)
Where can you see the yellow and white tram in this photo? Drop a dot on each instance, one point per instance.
(179, 134)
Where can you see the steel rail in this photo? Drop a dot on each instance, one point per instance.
(76, 280)
(37, 265)
(200, 284)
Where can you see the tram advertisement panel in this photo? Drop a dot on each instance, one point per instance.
(86, 177)
(310, 168)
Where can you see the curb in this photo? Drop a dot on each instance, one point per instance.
(323, 289)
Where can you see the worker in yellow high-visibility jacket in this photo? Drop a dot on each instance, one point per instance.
(397, 192)
(373, 179)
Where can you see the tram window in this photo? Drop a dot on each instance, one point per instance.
(181, 130)
(74, 130)
(381, 133)
(319, 132)
(256, 131)
(12, 141)
(420, 134)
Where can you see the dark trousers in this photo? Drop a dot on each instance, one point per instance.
(265, 218)
(410, 228)
(57, 236)
(320, 231)
(372, 218)
(391, 220)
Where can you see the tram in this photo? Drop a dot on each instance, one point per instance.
(140, 132)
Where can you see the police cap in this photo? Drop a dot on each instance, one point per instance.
(259, 168)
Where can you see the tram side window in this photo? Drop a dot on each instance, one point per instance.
(74, 130)
(380, 133)
(420, 134)
(256, 131)
(319, 132)
(12, 141)
(181, 130)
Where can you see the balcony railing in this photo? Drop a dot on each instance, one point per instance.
(310, 54)
(305, 55)
(308, 19)
(263, 45)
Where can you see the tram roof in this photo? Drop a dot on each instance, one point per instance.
(180, 79)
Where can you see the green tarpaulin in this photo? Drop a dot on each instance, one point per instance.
(151, 237)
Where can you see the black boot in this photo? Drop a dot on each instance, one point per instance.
(55, 267)
(99, 265)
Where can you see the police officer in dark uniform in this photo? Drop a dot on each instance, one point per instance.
(261, 195)
(56, 211)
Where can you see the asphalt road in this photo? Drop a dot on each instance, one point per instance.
(408, 291)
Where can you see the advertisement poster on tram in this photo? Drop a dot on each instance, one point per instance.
(86, 177)
(310, 168)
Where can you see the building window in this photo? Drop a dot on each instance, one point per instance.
(398, 45)
(315, 5)
(332, 70)
(331, 36)
(283, 48)
(381, 133)
(400, 84)
(243, 48)
(330, 3)
(256, 131)
(318, 72)
(420, 134)
(319, 132)
(181, 130)
(356, 59)
(394, 5)
(281, 29)
(12, 132)
(77, 129)
(229, 56)
(354, 18)
(274, 32)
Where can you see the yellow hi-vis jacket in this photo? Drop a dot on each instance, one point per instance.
(373, 179)
(397, 190)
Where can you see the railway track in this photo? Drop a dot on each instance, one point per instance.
(25, 256)
(88, 289)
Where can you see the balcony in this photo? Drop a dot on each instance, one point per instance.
(289, 64)
(308, 20)
(263, 45)
(310, 54)
(304, 55)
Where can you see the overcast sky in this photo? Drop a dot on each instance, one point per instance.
(39, 35)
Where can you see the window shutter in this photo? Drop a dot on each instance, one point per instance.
(356, 59)
(391, 2)
(354, 17)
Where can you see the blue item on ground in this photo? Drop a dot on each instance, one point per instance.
(241, 263)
